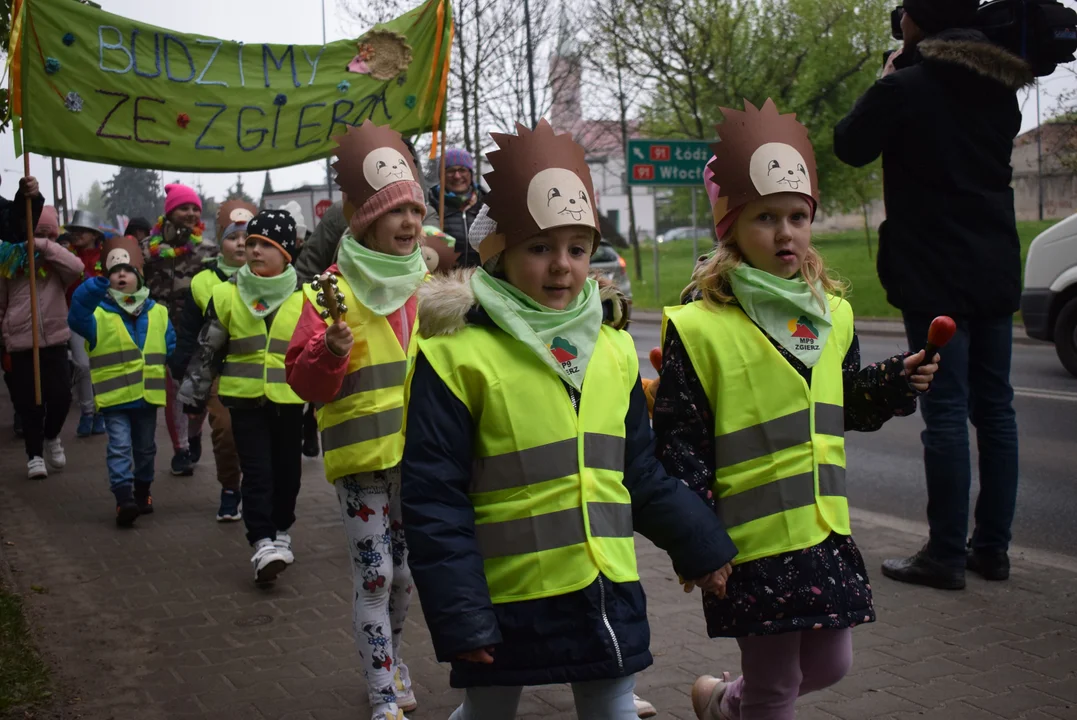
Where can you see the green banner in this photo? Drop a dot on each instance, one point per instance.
(100, 87)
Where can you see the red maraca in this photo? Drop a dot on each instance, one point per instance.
(941, 331)
(656, 359)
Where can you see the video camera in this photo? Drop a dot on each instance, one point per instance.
(1043, 32)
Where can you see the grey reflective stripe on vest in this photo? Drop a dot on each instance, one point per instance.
(278, 346)
(155, 359)
(276, 375)
(362, 428)
(115, 358)
(546, 462)
(553, 530)
(155, 384)
(829, 419)
(373, 377)
(118, 383)
(778, 496)
(242, 370)
(778, 434)
(243, 346)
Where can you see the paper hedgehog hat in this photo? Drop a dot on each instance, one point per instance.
(234, 212)
(760, 152)
(122, 250)
(540, 181)
(370, 157)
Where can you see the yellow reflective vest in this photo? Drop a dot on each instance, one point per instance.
(362, 429)
(202, 286)
(779, 444)
(254, 366)
(551, 510)
(121, 373)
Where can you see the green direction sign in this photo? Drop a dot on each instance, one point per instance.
(667, 162)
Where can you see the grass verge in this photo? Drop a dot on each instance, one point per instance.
(846, 254)
(24, 676)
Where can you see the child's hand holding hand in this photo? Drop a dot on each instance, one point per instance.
(920, 376)
(339, 339)
(482, 656)
(713, 583)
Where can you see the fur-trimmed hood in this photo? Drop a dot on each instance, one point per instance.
(447, 304)
(971, 50)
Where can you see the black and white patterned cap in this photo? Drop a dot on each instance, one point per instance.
(275, 226)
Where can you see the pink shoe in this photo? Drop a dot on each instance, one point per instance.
(707, 692)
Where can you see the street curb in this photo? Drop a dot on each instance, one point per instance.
(875, 327)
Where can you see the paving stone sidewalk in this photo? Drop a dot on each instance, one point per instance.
(163, 621)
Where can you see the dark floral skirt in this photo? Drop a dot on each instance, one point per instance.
(822, 587)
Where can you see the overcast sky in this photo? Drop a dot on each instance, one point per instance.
(298, 22)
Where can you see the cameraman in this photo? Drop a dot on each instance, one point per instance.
(944, 116)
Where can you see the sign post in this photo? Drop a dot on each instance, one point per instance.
(668, 163)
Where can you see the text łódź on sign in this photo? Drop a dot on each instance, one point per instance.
(667, 162)
(100, 87)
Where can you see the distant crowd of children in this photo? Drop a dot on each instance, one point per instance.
(487, 432)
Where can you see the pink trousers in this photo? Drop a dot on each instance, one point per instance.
(780, 668)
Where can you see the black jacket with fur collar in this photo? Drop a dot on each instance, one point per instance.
(945, 124)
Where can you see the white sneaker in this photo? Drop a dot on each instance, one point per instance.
(643, 708)
(36, 470)
(283, 543)
(54, 453)
(267, 561)
(405, 695)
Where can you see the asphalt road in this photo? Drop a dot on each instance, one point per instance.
(886, 469)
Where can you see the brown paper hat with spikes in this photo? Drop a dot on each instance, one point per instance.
(540, 181)
(370, 157)
(122, 250)
(760, 152)
(234, 212)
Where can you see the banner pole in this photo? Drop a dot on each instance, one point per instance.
(32, 270)
(441, 200)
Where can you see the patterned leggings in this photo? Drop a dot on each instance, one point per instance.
(370, 507)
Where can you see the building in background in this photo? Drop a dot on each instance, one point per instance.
(314, 200)
(1059, 153)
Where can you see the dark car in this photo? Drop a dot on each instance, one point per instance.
(608, 262)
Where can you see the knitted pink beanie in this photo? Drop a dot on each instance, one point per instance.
(388, 198)
(176, 195)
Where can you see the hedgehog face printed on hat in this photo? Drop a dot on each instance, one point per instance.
(234, 215)
(121, 253)
(376, 174)
(540, 181)
(760, 152)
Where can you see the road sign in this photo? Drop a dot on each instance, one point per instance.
(667, 162)
(322, 208)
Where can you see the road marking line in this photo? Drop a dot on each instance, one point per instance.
(1064, 395)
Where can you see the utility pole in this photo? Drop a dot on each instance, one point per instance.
(328, 160)
(530, 62)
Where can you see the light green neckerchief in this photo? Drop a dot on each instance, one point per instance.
(786, 309)
(226, 269)
(563, 339)
(263, 295)
(130, 303)
(381, 282)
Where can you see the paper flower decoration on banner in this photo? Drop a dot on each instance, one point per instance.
(73, 102)
(52, 66)
(281, 100)
(183, 120)
(411, 101)
(69, 39)
(344, 86)
(382, 54)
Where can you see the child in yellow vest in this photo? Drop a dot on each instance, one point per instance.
(760, 380)
(528, 460)
(232, 219)
(249, 321)
(356, 368)
(128, 338)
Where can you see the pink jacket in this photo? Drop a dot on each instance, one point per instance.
(64, 269)
(313, 371)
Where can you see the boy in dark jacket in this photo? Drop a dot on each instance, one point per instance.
(944, 117)
(529, 459)
(129, 338)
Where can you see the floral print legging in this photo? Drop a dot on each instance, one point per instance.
(370, 508)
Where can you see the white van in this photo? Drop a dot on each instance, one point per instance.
(1049, 300)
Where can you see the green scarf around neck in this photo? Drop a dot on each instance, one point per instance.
(225, 269)
(383, 283)
(562, 339)
(130, 303)
(263, 295)
(787, 310)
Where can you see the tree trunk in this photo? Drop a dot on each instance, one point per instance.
(475, 83)
(633, 235)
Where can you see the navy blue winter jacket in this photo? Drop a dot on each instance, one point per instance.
(600, 632)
